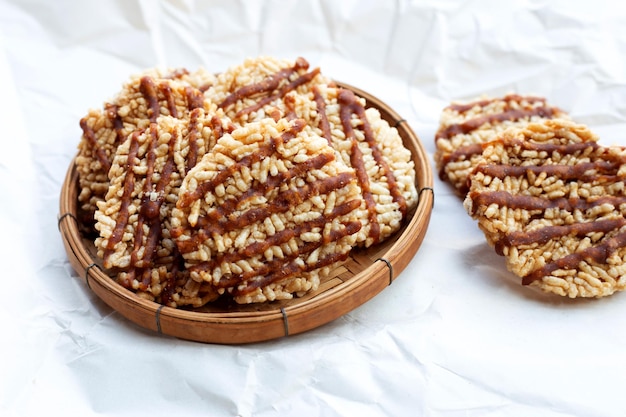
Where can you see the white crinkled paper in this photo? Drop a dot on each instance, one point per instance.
(455, 335)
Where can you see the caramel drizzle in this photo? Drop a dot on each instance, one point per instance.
(129, 184)
(220, 221)
(548, 233)
(186, 199)
(349, 105)
(149, 210)
(144, 213)
(469, 151)
(100, 153)
(286, 235)
(508, 115)
(169, 286)
(280, 204)
(195, 98)
(268, 85)
(320, 104)
(598, 254)
(531, 203)
(290, 104)
(111, 113)
(287, 267)
(562, 148)
(583, 171)
(282, 91)
(195, 125)
(282, 237)
(149, 89)
(270, 89)
(192, 156)
(276, 271)
(462, 108)
(460, 154)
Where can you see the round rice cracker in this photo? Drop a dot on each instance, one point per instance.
(551, 200)
(267, 213)
(464, 127)
(133, 220)
(263, 87)
(366, 142)
(142, 99)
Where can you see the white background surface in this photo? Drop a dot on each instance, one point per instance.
(455, 335)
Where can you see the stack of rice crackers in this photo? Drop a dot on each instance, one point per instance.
(546, 194)
(252, 184)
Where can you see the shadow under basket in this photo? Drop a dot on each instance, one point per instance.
(366, 272)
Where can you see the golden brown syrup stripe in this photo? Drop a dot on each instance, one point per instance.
(462, 108)
(508, 115)
(266, 86)
(129, 185)
(284, 236)
(290, 105)
(566, 148)
(597, 254)
(350, 105)
(231, 204)
(100, 153)
(195, 98)
(147, 189)
(169, 288)
(282, 91)
(192, 156)
(280, 269)
(152, 200)
(583, 171)
(217, 221)
(532, 203)
(356, 161)
(320, 105)
(166, 90)
(347, 96)
(461, 153)
(281, 237)
(149, 90)
(289, 270)
(149, 213)
(468, 151)
(111, 112)
(282, 203)
(547, 233)
(185, 200)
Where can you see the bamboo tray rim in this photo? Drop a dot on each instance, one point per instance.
(246, 326)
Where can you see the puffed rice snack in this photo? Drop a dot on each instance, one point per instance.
(552, 201)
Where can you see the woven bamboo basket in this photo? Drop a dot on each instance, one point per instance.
(366, 273)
